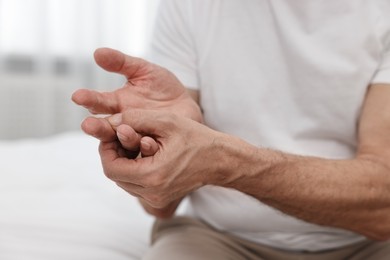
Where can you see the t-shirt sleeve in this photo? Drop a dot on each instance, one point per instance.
(172, 45)
(383, 73)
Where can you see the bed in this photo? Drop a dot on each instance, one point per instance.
(56, 203)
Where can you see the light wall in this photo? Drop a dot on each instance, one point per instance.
(46, 49)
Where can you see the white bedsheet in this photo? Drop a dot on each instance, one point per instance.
(56, 203)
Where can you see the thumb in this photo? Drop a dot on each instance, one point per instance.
(98, 128)
(116, 61)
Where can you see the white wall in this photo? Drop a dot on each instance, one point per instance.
(34, 106)
(34, 91)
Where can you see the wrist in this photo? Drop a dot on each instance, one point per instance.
(247, 168)
(235, 160)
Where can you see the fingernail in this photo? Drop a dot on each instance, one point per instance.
(115, 120)
(122, 137)
(146, 145)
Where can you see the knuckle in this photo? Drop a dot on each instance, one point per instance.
(168, 119)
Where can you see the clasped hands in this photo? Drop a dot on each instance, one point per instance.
(154, 115)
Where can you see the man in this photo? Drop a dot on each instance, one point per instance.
(293, 160)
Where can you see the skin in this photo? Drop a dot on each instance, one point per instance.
(350, 194)
(147, 86)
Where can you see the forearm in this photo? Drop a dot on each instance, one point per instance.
(350, 194)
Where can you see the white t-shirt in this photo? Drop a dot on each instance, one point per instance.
(281, 74)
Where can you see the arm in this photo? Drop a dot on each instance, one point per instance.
(350, 194)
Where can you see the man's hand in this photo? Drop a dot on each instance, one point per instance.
(148, 86)
(186, 154)
(163, 213)
(131, 143)
(148, 147)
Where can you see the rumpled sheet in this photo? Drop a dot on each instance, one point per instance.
(56, 203)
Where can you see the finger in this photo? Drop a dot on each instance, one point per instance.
(116, 61)
(122, 169)
(148, 146)
(129, 139)
(129, 154)
(96, 102)
(149, 122)
(99, 128)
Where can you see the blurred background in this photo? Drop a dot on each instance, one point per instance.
(46, 49)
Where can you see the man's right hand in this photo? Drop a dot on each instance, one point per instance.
(148, 86)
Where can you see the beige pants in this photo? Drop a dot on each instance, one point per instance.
(183, 238)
